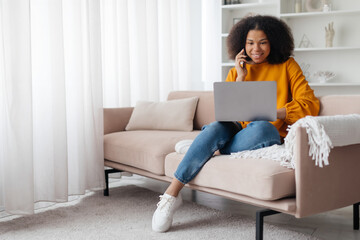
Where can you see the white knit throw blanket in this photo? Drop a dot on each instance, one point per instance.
(324, 133)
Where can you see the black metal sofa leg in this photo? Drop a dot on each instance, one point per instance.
(260, 221)
(263, 213)
(107, 172)
(356, 215)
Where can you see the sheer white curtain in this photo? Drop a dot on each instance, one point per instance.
(51, 123)
(211, 43)
(53, 58)
(150, 47)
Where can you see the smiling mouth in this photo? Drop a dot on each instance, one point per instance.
(256, 55)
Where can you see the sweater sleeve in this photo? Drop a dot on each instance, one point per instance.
(231, 77)
(303, 100)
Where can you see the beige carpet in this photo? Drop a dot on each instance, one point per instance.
(126, 214)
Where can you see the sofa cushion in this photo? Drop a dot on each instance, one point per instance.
(175, 115)
(143, 149)
(258, 178)
(205, 111)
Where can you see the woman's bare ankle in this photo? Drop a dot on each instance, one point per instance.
(174, 188)
(217, 153)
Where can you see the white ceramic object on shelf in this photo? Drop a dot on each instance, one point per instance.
(329, 34)
(314, 5)
(324, 76)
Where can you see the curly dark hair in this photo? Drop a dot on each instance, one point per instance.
(277, 31)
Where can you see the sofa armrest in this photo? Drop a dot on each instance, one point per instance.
(328, 188)
(116, 119)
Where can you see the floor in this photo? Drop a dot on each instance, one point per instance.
(333, 225)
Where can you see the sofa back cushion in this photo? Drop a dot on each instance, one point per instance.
(329, 105)
(339, 105)
(205, 109)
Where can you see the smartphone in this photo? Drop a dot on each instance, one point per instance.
(247, 57)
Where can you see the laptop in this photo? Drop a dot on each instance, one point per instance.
(245, 101)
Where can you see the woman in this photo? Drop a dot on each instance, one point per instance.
(262, 47)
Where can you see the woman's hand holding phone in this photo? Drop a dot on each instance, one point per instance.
(240, 62)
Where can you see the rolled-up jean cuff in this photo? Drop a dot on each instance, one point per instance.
(180, 179)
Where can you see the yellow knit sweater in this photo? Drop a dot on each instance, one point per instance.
(293, 91)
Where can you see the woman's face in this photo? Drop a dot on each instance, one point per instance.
(257, 46)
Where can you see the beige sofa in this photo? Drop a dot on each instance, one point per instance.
(305, 191)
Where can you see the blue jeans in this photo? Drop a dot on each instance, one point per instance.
(228, 137)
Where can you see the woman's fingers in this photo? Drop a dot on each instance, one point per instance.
(241, 58)
(242, 64)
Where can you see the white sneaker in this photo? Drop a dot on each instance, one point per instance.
(163, 216)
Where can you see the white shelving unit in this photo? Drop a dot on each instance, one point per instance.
(343, 58)
(332, 84)
(326, 49)
(249, 5)
(313, 14)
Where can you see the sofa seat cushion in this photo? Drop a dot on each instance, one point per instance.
(258, 178)
(145, 149)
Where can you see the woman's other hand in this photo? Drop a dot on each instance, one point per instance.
(281, 113)
(240, 62)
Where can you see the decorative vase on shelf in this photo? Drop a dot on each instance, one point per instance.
(298, 6)
(314, 5)
(327, 6)
(329, 35)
